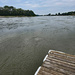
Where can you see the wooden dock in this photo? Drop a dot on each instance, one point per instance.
(57, 63)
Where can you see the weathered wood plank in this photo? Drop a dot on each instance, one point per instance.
(55, 61)
(49, 71)
(58, 68)
(62, 55)
(62, 58)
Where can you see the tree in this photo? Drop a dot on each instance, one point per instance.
(12, 11)
(58, 13)
(49, 14)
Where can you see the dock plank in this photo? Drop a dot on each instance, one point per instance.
(57, 63)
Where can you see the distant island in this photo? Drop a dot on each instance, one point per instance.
(12, 11)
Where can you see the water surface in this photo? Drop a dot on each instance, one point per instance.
(24, 41)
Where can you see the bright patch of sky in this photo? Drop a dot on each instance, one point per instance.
(42, 6)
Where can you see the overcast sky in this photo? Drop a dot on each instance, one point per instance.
(42, 6)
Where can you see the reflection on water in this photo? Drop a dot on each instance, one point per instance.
(24, 41)
(15, 22)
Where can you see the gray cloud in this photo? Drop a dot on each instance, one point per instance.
(42, 6)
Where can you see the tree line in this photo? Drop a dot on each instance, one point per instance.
(12, 11)
(62, 14)
(68, 13)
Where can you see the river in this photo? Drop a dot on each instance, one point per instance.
(24, 41)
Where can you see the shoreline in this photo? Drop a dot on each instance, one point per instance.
(32, 16)
(16, 16)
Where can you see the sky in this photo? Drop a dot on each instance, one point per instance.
(42, 6)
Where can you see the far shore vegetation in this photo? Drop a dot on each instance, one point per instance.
(12, 11)
(72, 13)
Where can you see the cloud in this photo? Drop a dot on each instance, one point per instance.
(4, 1)
(41, 6)
(48, 3)
(27, 4)
(39, 3)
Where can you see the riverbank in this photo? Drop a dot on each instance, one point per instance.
(15, 16)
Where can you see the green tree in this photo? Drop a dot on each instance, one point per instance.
(12, 11)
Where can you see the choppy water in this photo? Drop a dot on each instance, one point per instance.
(24, 41)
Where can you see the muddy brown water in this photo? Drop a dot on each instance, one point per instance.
(24, 41)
